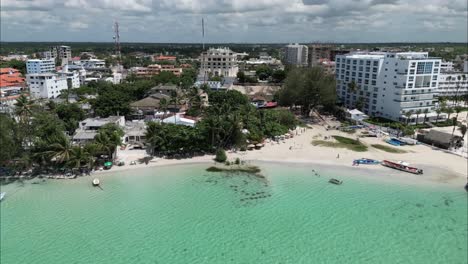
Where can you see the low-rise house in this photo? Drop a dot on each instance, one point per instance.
(180, 119)
(167, 89)
(135, 133)
(165, 58)
(89, 127)
(355, 115)
(151, 105)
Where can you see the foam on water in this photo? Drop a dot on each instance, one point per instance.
(187, 215)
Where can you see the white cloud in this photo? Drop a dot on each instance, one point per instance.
(236, 20)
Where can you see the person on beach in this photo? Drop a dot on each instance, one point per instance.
(338, 156)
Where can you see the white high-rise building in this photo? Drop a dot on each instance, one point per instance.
(219, 61)
(446, 66)
(40, 66)
(295, 54)
(46, 85)
(389, 84)
(453, 84)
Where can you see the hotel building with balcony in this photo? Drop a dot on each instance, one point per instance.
(389, 84)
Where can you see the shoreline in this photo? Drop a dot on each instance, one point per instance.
(440, 168)
(375, 173)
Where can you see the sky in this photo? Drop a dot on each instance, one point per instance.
(239, 21)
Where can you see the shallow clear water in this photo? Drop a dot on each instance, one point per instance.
(187, 215)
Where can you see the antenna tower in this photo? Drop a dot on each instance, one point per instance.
(203, 32)
(117, 40)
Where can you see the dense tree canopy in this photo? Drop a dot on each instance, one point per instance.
(308, 88)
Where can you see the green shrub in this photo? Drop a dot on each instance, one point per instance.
(220, 155)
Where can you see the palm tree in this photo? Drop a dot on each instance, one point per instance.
(59, 149)
(108, 139)
(163, 105)
(418, 113)
(408, 115)
(438, 111)
(79, 156)
(103, 144)
(426, 111)
(23, 107)
(154, 138)
(449, 111)
(462, 129)
(353, 87)
(459, 78)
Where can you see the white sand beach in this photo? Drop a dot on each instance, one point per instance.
(439, 166)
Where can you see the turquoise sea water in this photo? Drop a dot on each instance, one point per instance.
(187, 215)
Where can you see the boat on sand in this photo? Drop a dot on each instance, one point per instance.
(403, 166)
(365, 161)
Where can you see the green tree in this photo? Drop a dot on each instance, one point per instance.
(70, 114)
(462, 129)
(308, 88)
(15, 64)
(80, 157)
(408, 115)
(426, 111)
(109, 137)
(449, 111)
(220, 155)
(353, 87)
(10, 147)
(241, 77)
(23, 107)
(58, 149)
(438, 111)
(278, 76)
(418, 113)
(263, 72)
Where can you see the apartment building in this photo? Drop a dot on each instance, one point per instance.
(219, 61)
(46, 85)
(389, 84)
(453, 84)
(295, 54)
(40, 66)
(61, 54)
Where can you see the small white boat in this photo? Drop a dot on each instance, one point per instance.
(2, 194)
(96, 182)
(335, 181)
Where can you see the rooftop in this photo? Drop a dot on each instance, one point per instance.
(97, 121)
(84, 135)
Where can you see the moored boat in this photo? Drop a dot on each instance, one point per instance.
(2, 194)
(335, 181)
(403, 166)
(96, 182)
(366, 161)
